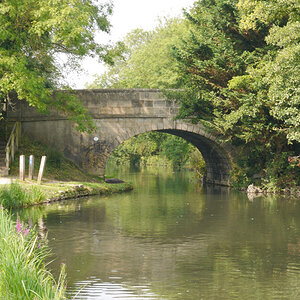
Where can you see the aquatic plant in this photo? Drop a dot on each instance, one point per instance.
(23, 273)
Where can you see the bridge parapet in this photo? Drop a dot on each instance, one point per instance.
(127, 103)
(106, 103)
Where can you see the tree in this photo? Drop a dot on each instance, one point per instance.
(280, 70)
(32, 34)
(240, 67)
(146, 59)
(169, 148)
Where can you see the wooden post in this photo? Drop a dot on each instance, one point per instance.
(22, 167)
(31, 167)
(41, 171)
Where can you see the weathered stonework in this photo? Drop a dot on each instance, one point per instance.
(120, 115)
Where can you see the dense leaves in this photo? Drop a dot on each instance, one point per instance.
(157, 148)
(241, 70)
(32, 34)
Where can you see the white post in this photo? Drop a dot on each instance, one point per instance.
(41, 171)
(31, 167)
(22, 167)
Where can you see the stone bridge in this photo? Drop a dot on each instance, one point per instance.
(120, 115)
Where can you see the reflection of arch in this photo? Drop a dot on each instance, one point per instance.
(215, 154)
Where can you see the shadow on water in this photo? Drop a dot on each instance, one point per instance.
(172, 239)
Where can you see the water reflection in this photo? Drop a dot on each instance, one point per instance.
(109, 290)
(171, 239)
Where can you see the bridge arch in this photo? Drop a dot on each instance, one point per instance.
(215, 154)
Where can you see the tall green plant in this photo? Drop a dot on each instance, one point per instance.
(23, 273)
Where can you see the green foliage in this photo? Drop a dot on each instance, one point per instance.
(160, 149)
(176, 150)
(146, 59)
(238, 177)
(23, 274)
(132, 150)
(240, 68)
(278, 174)
(13, 195)
(33, 33)
(143, 145)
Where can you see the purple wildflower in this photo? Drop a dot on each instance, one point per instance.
(19, 228)
(25, 231)
(39, 245)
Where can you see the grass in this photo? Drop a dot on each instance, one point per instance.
(23, 273)
(62, 180)
(13, 195)
(24, 194)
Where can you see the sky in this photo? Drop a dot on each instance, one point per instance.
(127, 15)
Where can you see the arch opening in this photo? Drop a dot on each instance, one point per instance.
(215, 158)
(156, 148)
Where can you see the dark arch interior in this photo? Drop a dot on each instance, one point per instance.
(217, 163)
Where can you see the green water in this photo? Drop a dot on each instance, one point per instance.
(172, 239)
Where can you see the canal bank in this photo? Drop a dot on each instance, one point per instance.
(17, 194)
(62, 179)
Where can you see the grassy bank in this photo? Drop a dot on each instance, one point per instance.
(23, 274)
(24, 194)
(62, 180)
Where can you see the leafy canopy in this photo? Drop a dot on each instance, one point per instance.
(32, 35)
(240, 66)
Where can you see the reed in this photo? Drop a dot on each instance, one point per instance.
(23, 273)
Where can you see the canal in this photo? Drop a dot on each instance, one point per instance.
(170, 238)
